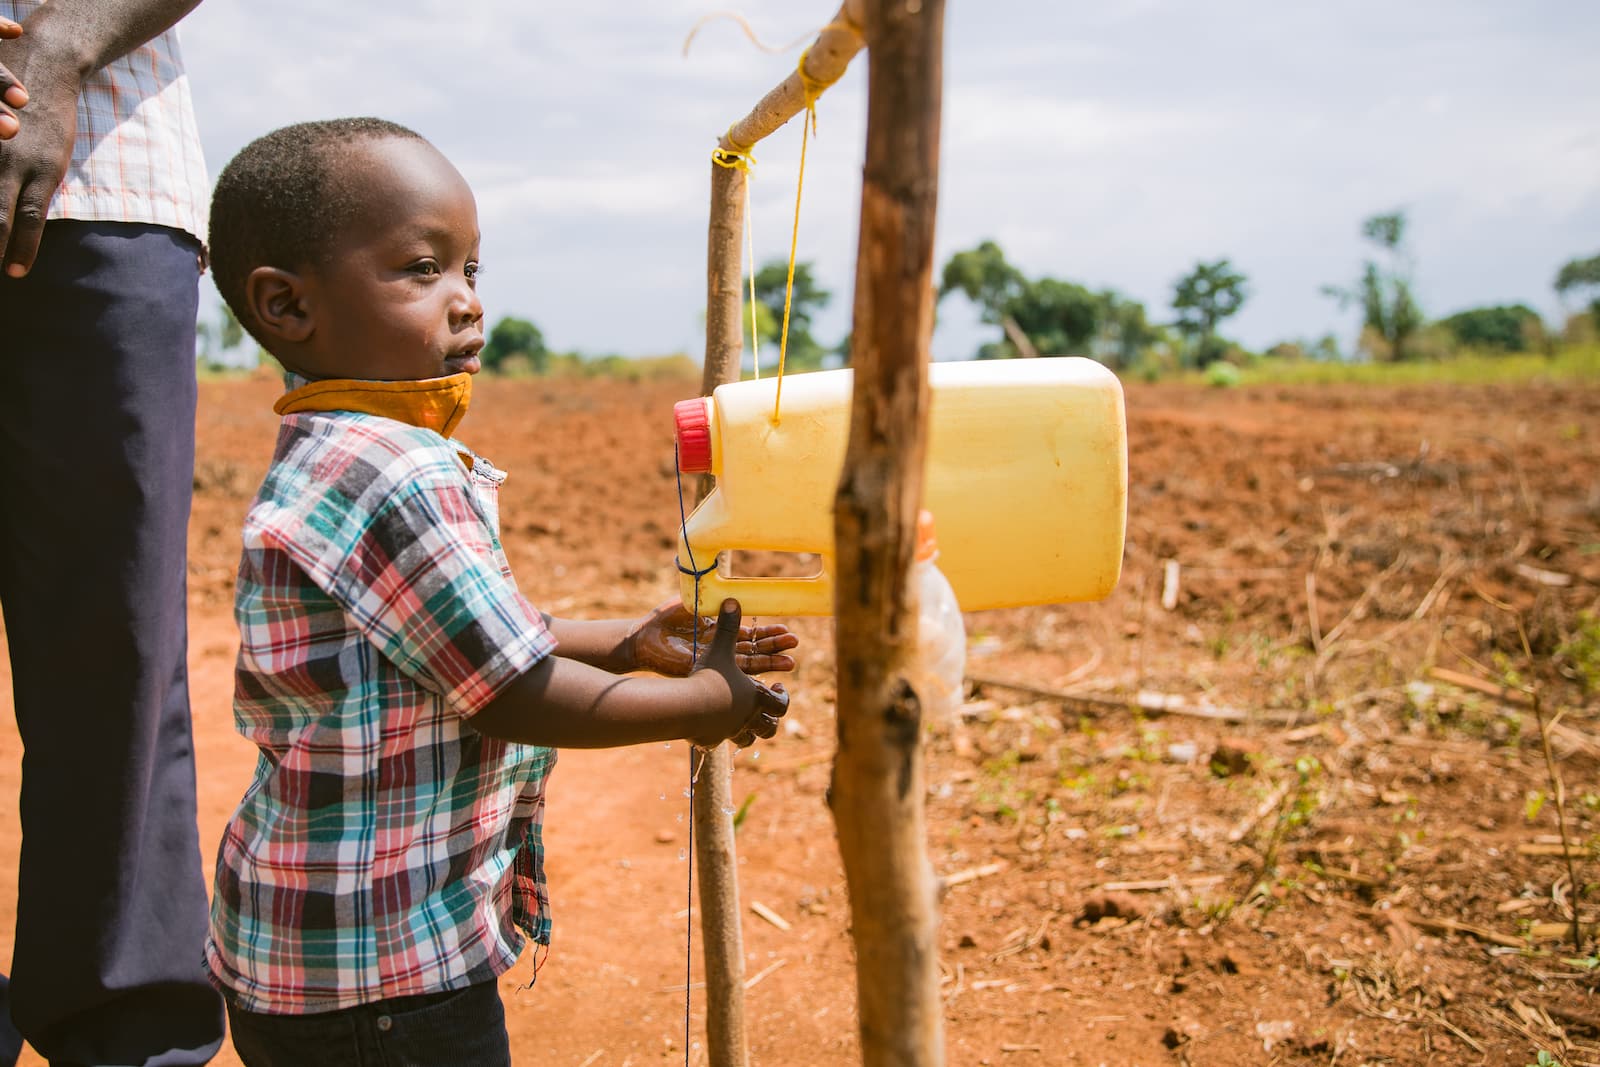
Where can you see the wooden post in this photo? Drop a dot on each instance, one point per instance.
(878, 787)
(715, 855)
(716, 860)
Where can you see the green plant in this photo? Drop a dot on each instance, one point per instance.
(1545, 1059)
(1295, 811)
(1222, 375)
(1578, 657)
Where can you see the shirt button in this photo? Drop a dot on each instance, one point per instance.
(385, 1023)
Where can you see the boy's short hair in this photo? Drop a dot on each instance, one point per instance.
(280, 202)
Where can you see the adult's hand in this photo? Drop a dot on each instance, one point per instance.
(12, 94)
(36, 155)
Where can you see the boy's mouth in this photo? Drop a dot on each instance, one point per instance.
(467, 359)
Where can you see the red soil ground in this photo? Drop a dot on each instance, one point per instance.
(1374, 880)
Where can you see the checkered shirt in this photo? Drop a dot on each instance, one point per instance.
(137, 155)
(384, 847)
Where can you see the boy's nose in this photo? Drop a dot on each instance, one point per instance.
(466, 307)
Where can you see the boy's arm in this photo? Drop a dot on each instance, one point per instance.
(61, 45)
(563, 703)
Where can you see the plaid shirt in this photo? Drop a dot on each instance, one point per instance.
(137, 155)
(384, 847)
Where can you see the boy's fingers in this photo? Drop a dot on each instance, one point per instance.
(773, 701)
(727, 635)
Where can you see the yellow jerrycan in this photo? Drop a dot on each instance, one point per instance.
(1027, 478)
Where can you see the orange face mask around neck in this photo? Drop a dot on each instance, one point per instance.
(437, 404)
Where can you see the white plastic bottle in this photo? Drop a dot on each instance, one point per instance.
(938, 666)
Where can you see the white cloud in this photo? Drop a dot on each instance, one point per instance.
(1113, 145)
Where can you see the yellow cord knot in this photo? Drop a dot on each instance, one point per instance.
(723, 157)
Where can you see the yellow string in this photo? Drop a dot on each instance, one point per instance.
(812, 88)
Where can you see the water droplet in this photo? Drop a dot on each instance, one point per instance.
(755, 755)
(680, 818)
(727, 811)
(663, 796)
(683, 853)
(688, 793)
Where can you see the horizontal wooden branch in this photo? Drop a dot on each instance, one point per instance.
(825, 63)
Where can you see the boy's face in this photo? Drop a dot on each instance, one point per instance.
(397, 299)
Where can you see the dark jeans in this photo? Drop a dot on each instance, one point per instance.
(454, 1029)
(97, 401)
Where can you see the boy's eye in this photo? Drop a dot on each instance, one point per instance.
(473, 270)
(424, 266)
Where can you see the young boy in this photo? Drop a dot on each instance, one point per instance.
(372, 884)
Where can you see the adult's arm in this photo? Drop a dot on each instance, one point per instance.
(61, 45)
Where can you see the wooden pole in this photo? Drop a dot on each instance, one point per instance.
(878, 787)
(716, 859)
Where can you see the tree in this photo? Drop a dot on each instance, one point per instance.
(1054, 318)
(1204, 297)
(1045, 316)
(1582, 275)
(515, 337)
(985, 277)
(1390, 315)
(992, 284)
(1124, 332)
(1509, 328)
(805, 353)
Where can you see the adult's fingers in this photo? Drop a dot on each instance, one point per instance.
(28, 206)
(11, 93)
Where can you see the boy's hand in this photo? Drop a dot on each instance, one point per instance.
(663, 642)
(753, 710)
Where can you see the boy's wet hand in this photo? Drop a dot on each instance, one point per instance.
(751, 710)
(772, 705)
(664, 640)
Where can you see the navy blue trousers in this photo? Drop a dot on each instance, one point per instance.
(97, 404)
(460, 1028)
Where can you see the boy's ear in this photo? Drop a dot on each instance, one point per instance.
(277, 299)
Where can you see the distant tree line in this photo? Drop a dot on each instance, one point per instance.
(1053, 316)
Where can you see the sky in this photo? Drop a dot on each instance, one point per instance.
(1109, 144)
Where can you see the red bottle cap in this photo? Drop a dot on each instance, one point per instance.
(694, 435)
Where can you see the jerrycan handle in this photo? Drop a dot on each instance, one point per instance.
(764, 596)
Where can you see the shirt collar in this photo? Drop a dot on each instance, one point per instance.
(436, 404)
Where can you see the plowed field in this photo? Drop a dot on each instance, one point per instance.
(1267, 804)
